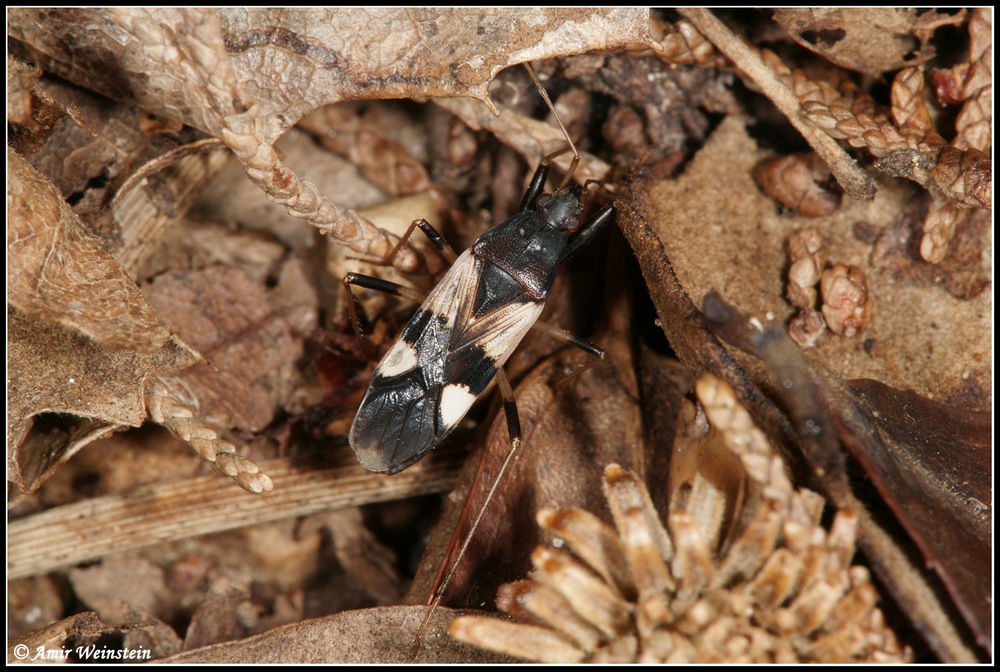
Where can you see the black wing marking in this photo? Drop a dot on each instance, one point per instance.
(444, 358)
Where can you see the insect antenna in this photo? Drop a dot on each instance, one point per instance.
(548, 101)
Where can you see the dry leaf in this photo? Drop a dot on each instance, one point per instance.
(55, 370)
(60, 272)
(291, 61)
(235, 324)
(85, 638)
(872, 40)
(224, 90)
(379, 635)
(932, 464)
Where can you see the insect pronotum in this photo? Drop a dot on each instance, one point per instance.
(467, 328)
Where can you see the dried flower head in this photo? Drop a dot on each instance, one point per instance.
(743, 571)
(807, 256)
(847, 305)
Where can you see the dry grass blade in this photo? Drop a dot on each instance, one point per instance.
(164, 512)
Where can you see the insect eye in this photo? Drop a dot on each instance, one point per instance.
(543, 200)
(572, 223)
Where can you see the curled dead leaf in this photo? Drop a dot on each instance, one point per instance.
(872, 40)
(55, 370)
(59, 271)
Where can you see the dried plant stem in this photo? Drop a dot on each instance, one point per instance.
(244, 135)
(855, 181)
(924, 604)
(165, 512)
(166, 408)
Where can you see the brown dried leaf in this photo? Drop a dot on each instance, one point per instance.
(720, 233)
(871, 40)
(53, 638)
(224, 95)
(932, 464)
(55, 370)
(60, 272)
(98, 152)
(237, 325)
(85, 638)
(379, 635)
(292, 61)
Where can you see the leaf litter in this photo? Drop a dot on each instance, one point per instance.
(245, 286)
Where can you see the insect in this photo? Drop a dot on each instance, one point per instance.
(466, 329)
(470, 324)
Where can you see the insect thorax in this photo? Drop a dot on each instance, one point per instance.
(528, 248)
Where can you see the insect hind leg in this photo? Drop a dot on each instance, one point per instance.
(514, 430)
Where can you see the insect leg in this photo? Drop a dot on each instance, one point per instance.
(514, 429)
(568, 337)
(437, 240)
(359, 320)
(588, 230)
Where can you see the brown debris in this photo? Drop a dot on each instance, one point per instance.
(799, 182)
(766, 582)
(846, 303)
(871, 40)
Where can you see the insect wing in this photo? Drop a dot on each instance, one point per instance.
(444, 358)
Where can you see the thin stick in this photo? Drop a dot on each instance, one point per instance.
(855, 181)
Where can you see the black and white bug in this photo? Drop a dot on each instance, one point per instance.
(469, 325)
